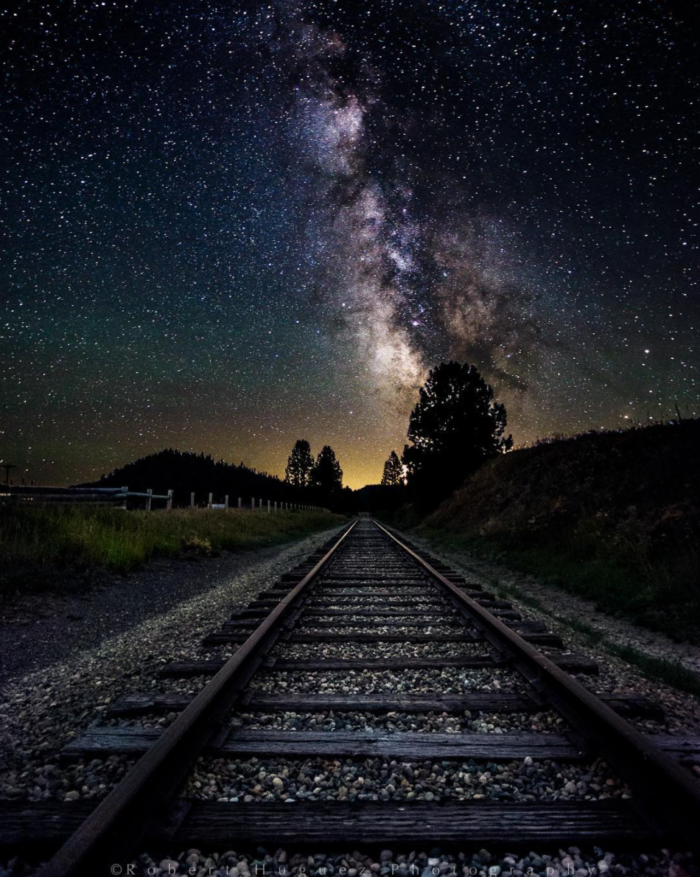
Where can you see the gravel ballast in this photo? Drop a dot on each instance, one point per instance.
(449, 680)
(379, 602)
(386, 779)
(367, 651)
(570, 862)
(398, 721)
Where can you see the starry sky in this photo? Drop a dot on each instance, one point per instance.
(229, 225)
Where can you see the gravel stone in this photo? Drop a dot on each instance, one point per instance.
(571, 862)
(385, 779)
(442, 723)
(448, 680)
(302, 651)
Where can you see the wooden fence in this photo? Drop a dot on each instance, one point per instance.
(122, 497)
(256, 504)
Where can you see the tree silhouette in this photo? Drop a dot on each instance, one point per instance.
(393, 471)
(327, 475)
(454, 428)
(300, 465)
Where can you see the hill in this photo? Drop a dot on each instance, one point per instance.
(186, 472)
(613, 517)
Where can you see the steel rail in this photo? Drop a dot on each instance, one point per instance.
(669, 795)
(113, 830)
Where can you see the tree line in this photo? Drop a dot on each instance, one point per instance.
(186, 472)
(454, 428)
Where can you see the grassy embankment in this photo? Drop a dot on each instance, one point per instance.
(35, 542)
(671, 673)
(612, 517)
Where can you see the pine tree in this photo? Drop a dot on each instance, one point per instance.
(300, 465)
(328, 475)
(393, 471)
(454, 428)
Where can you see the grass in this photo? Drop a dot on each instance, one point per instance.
(49, 538)
(617, 577)
(671, 673)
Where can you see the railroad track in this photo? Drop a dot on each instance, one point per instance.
(367, 604)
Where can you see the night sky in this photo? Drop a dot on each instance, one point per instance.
(226, 226)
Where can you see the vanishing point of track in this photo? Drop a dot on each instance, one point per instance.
(369, 586)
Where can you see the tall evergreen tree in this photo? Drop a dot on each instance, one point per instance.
(328, 475)
(393, 471)
(455, 426)
(300, 465)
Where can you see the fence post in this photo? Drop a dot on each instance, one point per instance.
(268, 506)
(226, 501)
(170, 501)
(240, 502)
(149, 501)
(211, 500)
(260, 504)
(192, 500)
(275, 505)
(252, 503)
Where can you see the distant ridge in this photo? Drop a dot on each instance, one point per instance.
(186, 472)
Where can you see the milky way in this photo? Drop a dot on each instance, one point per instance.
(229, 226)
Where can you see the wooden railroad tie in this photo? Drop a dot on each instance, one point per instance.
(321, 824)
(476, 702)
(407, 745)
(572, 663)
